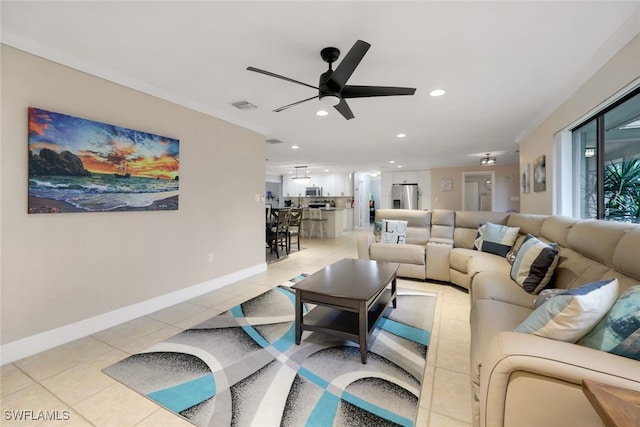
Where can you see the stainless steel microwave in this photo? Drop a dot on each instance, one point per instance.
(313, 192)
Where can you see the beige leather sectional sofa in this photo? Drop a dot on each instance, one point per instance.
(519, 379)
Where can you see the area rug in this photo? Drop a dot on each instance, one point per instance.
(243, 368)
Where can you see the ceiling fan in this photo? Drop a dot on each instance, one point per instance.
(333, 89)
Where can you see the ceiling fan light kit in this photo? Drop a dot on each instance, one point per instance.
(330, 100)
(488, 160)
(332, 87)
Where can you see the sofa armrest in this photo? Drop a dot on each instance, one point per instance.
(540, 380)
(364, 242)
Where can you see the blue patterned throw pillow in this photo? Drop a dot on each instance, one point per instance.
(572, 314)
(619, 331)
(534, 264)
(495, 238)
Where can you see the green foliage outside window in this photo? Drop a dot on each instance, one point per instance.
(622, 191)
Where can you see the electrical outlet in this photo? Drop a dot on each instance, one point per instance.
(211, 257)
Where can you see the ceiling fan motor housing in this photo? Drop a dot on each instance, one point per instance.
(327, 87)
(330, 55)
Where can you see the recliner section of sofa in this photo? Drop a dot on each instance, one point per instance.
(520, 379)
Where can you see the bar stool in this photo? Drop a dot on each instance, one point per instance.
(315, 217)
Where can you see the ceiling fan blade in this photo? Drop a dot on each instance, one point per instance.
(277, 110)
(366, 91)
(278, 76)
(343, 108)
(349, 63)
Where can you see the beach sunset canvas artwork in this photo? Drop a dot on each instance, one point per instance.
(80, 165)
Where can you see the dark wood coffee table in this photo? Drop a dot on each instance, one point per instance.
(350, 296)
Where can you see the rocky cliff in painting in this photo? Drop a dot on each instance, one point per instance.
(48, 162)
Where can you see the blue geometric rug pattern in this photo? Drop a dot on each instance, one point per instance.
(243, 368)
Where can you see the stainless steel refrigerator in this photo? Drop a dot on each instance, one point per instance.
(404, 196)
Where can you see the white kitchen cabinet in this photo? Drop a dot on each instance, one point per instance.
(339, 185)
(386, 180)
(405, 177)
(343, 185)
(293, 187)
(347, 221)
(328, 184)
(424, 186)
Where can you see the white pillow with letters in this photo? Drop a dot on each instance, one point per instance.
(394, 231)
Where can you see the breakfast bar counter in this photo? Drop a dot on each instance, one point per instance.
(333, 224)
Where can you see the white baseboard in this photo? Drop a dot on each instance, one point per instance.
(46, 340)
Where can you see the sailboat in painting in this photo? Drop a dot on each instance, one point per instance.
(123, 171)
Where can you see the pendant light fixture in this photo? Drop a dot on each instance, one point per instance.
(488, 160)
(304, 171)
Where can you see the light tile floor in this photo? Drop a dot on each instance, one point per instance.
(68, 379)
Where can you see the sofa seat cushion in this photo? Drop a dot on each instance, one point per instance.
(488, 317)
(487, 262)
(496, 286)
(406, 254)
(460, 259)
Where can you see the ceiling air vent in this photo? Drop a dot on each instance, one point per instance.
(274, 141)
(244, 105)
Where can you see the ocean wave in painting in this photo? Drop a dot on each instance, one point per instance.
(102, 192)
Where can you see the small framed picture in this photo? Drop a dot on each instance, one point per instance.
(446, 184)
(540, 174)
(526, 178)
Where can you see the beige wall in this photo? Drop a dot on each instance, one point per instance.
(58, 269)
(453, 199)
(613, 77)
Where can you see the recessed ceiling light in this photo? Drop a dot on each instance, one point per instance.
(295, 147)
(326, 170)
(437, 92)
(392, 161)
(244, 105)
(322, 113)
(401, 135)
(399, 166)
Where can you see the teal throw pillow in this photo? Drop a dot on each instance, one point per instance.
(377, 230)
(619, 331)
(535, 264)
(495, 238)
(572, 314)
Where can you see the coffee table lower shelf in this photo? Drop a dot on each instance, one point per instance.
(345, 322)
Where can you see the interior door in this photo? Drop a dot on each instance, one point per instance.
(471, 196)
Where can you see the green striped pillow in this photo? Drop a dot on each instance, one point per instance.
(534, 264)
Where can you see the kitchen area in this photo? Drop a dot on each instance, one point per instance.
(330, 192)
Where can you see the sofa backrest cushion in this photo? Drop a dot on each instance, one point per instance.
(418, 223)
(528, 223)
(442, 223)
(625, 257)
(556, 229)
(597, 239)
(468, 222)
